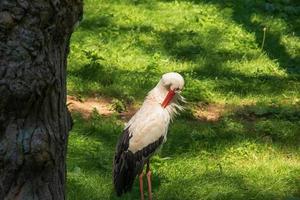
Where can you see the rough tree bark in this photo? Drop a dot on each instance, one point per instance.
(34, 119)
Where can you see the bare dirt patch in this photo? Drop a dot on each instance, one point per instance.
(203, 112)
(87, 106)
(214, 111)
(209, 112)
(100, 104)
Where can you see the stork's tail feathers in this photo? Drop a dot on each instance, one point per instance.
(124, 169)
(124, 173)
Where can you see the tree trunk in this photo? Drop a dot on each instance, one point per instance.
(34, 119)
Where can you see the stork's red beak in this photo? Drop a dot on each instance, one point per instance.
(168, 98)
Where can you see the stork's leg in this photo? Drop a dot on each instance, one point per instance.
(141, 185)
(149, 180)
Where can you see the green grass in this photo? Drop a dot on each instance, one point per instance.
(120, 50)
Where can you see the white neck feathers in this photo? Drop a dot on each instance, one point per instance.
(158, 94)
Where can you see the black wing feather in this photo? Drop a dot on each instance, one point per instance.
(128, 165)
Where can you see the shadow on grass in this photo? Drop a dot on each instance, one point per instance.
(288, 11)
(211, 66)
(262, 124)
(96, 23)
(209, 63)
(116, 83)
(243, 85)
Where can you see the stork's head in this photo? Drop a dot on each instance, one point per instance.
(172, 83)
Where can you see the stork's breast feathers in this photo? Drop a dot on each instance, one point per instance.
(147, 130)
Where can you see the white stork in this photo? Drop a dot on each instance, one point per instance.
(145, 132)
